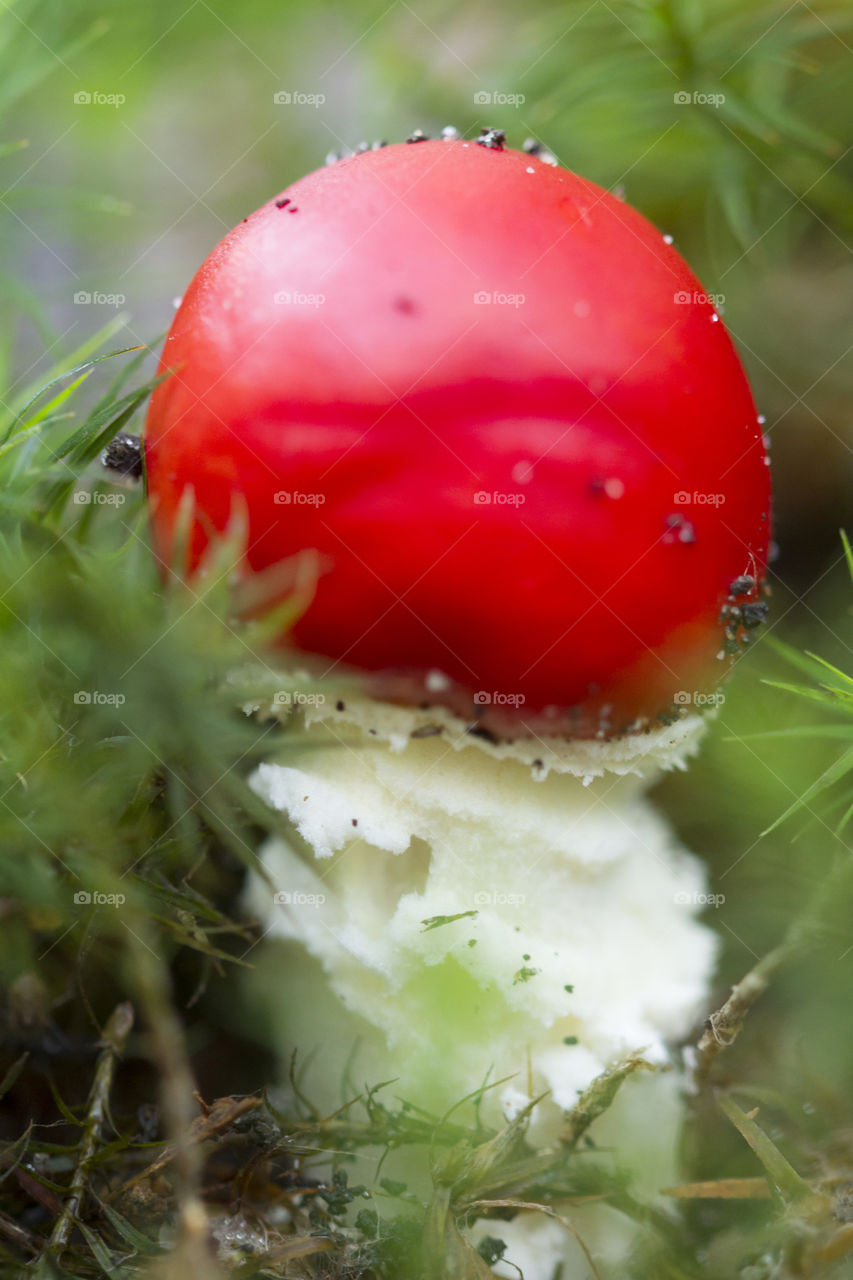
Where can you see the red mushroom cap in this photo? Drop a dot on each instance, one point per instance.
(501, 407)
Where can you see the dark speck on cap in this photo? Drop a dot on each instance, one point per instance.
(478, 731)
(754, 614)
(494, 139)
(124, 455)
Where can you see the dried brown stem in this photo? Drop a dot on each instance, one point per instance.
(113, 1041)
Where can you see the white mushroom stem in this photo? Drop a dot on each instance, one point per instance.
(478, 909)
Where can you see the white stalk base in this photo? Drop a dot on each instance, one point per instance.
(575, 942)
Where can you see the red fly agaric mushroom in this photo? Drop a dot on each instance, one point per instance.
(497, 402)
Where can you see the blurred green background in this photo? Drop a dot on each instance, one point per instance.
(134, 136)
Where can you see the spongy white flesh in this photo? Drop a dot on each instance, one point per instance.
(576, 909)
